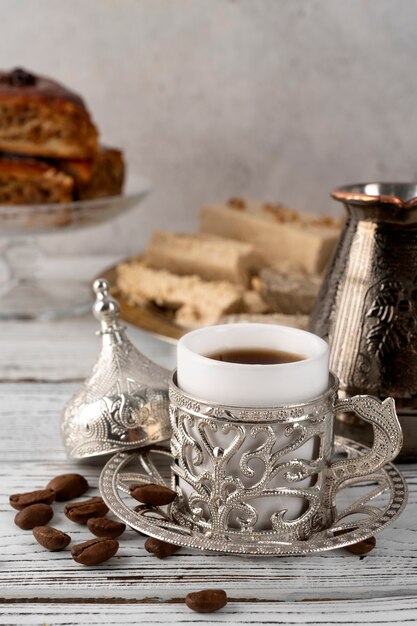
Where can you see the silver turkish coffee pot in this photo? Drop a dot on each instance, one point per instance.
(367, 306)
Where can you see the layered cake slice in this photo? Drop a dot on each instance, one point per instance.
(33, 180)
(40, 117)
(100, 177)
(196, 302)
(207, 256)
(25, 181)
(279, 235)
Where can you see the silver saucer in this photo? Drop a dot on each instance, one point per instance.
(382, 497)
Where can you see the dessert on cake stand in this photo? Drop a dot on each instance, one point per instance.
(24, 293)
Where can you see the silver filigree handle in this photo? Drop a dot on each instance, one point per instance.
(387, 443)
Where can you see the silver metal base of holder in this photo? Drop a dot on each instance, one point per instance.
(375, 502)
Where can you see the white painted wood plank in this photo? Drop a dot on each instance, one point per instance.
(381, 612)
(28, 571)
(31, 453)
(63, 350)
(30, 420)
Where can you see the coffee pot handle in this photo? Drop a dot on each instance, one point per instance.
(387, 442)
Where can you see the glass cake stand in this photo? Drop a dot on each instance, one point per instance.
(24, 293)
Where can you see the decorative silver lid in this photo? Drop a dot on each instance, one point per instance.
(124, 403)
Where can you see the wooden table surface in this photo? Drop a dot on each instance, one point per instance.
(41, 365)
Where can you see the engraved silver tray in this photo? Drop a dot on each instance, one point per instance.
(375, 502)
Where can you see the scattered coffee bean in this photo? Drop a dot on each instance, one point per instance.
(362, 547)
(20, 501)
(150, 493)
(103, 527)
(33, 515)
(68, 486)
(206, 601)
(80, 512)
(338, 533)
(95, 551)
(51, 538)
(161, 549)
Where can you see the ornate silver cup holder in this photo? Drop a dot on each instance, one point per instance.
(364, 506)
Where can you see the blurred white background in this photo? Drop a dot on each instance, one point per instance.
(273, 99)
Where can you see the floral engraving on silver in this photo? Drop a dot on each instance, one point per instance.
(124, 403)
(367, 306)
(219, 490)
(359, 514)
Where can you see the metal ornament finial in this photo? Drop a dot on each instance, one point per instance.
(101, 287)
(106, 309)
(124, 403)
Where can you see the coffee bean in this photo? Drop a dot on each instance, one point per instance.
(20, 501)
(150, 493)
(362, 547)
(51, 538)
(95, 551)
(206, 601)
(161, 549)
(103, 527)
(68, 486)
(33, 515)
(80, 512)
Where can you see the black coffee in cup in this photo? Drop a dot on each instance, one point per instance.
(255, 356)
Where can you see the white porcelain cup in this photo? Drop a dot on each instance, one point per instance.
(252, 445)
(246, 384)
(252, 385)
